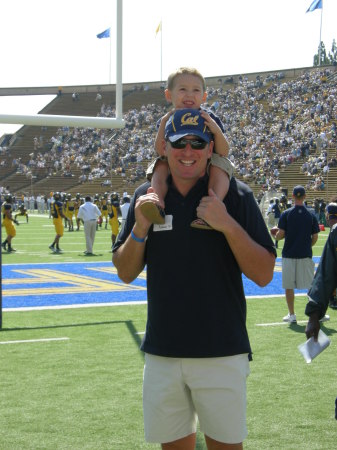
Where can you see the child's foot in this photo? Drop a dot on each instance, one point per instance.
(201, 224)
(153, 212)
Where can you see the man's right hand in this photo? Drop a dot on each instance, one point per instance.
(313, 326)
(142, 224)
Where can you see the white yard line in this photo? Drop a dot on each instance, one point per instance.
(26, 341)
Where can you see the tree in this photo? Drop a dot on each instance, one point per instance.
(321, 58)
(333, 53)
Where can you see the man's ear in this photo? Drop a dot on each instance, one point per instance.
(210, 149)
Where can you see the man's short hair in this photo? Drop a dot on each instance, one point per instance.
(299, 191)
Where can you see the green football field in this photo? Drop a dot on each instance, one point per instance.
(72, 378)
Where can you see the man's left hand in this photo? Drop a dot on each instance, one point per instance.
(213, 211)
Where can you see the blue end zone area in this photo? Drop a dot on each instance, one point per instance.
(51, 285)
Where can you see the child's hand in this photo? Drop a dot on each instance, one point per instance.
(166, 117)
(211, 123)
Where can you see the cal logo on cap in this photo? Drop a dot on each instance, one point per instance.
(188, 119)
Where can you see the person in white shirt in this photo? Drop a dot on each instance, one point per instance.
(125, 208)
(89, 213)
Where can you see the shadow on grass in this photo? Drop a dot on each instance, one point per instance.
(301, 328)
(132, 329)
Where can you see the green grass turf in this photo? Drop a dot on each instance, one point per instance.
(86, 392)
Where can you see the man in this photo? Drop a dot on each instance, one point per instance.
(300, 230)
(113, 211)
(104, 209)
(125, 208)
(57, 215)
(323, 288)
(89, 213)
(8, 223)
(69, 211)
(270, 214)
(196, 343)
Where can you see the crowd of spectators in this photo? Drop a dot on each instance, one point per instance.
(270, 122)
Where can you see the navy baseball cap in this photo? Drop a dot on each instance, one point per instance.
(331, 209)
(299, 191)
(186, 122)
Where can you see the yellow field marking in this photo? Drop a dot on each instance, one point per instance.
(113, 271)
(75, 284)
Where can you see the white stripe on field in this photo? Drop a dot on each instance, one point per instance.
(24, 341)
(278, 323)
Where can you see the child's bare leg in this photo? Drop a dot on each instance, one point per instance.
(159, 181)
(218, 181)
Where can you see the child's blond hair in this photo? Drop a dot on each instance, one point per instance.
(183, 71)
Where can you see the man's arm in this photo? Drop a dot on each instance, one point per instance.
(314, 239)
(129, 258)
(256, 262)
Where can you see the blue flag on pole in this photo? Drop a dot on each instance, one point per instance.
(316, 4)
(104, 34)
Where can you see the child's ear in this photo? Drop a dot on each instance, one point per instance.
(204, 97)
(168, 95)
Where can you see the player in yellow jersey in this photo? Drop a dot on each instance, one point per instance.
(69, 211)
(57, 215)
(22, 212)
(113, 211)
(8, 223)
(104, 209)
(78, 203)
(97, 202)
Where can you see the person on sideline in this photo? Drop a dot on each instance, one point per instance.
(8, 223)
(186, 88)
(196, 344)
(89, 213)
(57, 215)
(299, 228)
(324, 284)
(125, 208)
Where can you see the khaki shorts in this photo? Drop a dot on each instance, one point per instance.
(179, 391)
(216, 160)
(297, 273)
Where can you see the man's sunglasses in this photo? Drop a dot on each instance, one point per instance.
(195, 144)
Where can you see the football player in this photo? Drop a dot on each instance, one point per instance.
(104, 209)
(57, 215)
(8, 223)
(22, 212)
(69, 211)
(113, 211)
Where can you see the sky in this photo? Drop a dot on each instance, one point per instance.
(54, 43)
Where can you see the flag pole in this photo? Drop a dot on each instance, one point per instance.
(110, 61)
(161, 50)
(320, 38)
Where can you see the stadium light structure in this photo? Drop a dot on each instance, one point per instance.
(76, 121)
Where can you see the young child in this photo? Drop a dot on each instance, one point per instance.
(186, 88)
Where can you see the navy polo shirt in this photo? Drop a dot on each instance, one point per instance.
(299, 225)
(196, 302)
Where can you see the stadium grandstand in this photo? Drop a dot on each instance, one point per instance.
(282, 129)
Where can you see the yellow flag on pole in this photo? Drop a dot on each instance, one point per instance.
(158, 28)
